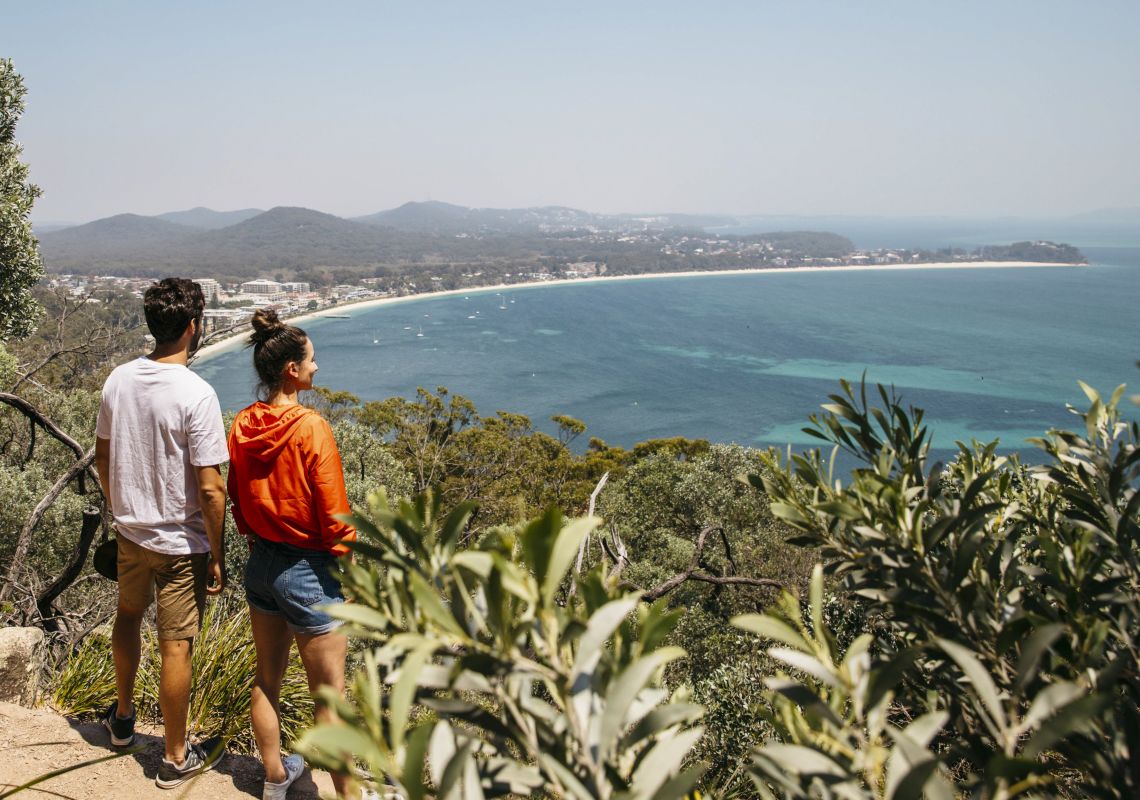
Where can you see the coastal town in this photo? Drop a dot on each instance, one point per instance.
(232, 304)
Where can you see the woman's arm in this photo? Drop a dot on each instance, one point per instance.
(330, 499)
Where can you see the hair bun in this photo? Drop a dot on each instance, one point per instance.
(265, 324)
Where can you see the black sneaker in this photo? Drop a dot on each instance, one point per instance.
(199, 757)
(122, 730)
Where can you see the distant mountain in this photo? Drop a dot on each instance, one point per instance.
(280, 240)
(122, 228)
(419, 216)
(438, 217)
(112, 240)
(208, 219)
(293, 238)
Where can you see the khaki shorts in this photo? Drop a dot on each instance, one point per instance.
(180, 581)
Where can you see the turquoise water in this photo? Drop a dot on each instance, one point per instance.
(989, 353)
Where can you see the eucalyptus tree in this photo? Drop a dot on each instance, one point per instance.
(20, 264)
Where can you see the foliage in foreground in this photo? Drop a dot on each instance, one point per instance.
(530, 689)
(997, 654)
(1003, 607)
(223, 665)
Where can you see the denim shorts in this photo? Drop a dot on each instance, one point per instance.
(291, 582)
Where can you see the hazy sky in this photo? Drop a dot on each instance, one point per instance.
(750, 107)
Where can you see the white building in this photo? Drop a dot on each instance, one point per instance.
(211, 289)
(217, 318)
(343, 291)
(270, 290)
(296, 287)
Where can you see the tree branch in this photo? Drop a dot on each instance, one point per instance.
(96, 335)
(693, 572)
(36, 418)
(32, 413)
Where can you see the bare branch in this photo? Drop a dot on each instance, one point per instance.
(728, 551)
(585, 539)
(693, 572)
(32, 413)
(616, 551)
(721, 580)
(31, 440)
(36, 418)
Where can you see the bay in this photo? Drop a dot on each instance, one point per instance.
(988, 353)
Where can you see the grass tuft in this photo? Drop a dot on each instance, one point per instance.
(223, 664)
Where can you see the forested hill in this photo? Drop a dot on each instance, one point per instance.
(433, 238)
(436, 217)
(456, 246)
(1048, 252)
(209, 219)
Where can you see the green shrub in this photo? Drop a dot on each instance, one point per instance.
(1002, 612)
(532, 689)
(732, 695)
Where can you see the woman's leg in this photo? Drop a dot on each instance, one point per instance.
(323, 656)
(272, 639)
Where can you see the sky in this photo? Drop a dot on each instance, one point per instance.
(886, 108)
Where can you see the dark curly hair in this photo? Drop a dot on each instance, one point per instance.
(275, 344)
(170, 305)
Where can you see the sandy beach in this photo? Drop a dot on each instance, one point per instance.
(236, 340)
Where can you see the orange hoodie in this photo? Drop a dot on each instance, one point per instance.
(286, 481)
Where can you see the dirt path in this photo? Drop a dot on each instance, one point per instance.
(36, 741)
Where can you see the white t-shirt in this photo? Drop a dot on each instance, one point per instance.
(162, 421)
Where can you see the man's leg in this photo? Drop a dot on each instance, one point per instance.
(323, 656)
(174, 694)
(126, 649)
(136, 592)
(181, 594)
(272, 640)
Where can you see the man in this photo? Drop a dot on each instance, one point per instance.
(159, 446)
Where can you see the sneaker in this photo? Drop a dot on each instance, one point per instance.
(199, 758)
(294, 766)
(122, 730)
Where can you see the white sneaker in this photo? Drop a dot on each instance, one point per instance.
(294, 766)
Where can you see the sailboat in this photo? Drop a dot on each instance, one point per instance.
(421, 333)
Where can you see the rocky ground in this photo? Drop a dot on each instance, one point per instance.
(37, 741)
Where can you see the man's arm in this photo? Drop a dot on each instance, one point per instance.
(103, 467)
(212, 496)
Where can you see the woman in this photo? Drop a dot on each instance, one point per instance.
(287, 487)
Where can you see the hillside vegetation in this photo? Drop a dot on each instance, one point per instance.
(410, 242)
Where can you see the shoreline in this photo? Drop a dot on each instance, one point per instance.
(235, 340)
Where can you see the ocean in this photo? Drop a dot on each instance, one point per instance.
(988, 353)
